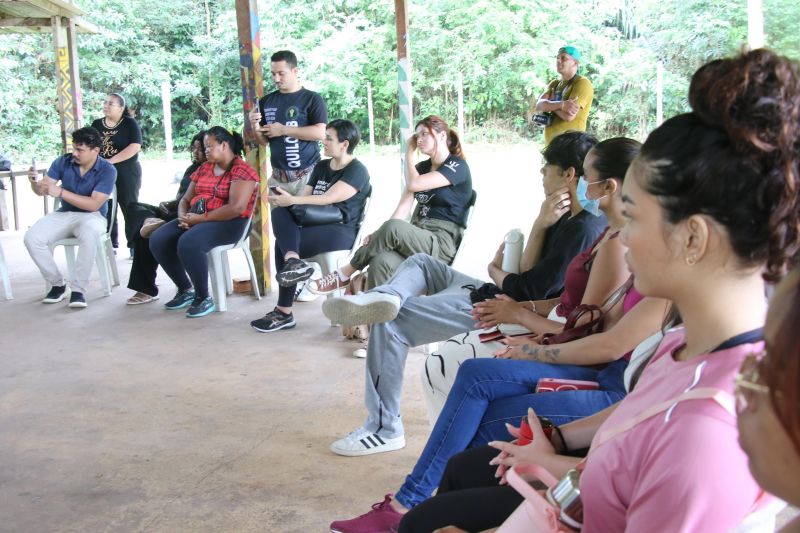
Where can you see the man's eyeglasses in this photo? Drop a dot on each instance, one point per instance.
(746, 382)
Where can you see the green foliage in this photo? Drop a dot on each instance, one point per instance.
(504, 49)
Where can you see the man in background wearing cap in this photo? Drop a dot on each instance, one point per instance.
(565, 105)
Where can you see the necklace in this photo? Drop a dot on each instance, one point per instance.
(105, 124)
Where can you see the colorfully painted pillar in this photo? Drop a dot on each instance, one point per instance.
(405, 99)
(252, 88)
(68, 86)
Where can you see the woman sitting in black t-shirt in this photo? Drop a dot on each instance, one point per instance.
(441, 185)
(341, 181)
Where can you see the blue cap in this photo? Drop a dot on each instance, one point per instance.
(571, 50)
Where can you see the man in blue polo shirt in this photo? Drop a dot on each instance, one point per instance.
(84, 182)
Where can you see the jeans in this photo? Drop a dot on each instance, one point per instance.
(183, 254)
(434, 306)
(488, 393)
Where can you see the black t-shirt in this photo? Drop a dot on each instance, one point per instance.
(355, 174)
(118, 138)
(297, 109)
(449, 202)
(563, 240)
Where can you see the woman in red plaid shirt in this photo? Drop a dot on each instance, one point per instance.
(214, 211)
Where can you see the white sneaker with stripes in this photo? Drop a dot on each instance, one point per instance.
(363, 442)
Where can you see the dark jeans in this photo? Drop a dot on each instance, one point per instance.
(469, 496)
(129, 181)
(144, 267)
(305, 242)
(183, 254)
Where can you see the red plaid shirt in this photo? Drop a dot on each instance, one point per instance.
(205, 182)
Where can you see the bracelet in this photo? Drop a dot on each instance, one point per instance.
(533, 306)
(561, 436)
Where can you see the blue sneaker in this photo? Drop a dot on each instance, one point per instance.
(202, 307)
(181, 300)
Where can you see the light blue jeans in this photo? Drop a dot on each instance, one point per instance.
(487, 393)
(434, 307)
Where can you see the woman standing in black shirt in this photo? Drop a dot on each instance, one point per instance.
(122, 141)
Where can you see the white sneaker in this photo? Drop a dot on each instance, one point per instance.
(302, 293)
(361, 353)
(364, 308)
(363, 442)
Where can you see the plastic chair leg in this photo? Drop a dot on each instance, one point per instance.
(4, 276)
(69, 252)
(227, 269)
(216, 270)
(112, 261)
(103, 269)
(253, 277)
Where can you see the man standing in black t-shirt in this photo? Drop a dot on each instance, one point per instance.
(292, 120)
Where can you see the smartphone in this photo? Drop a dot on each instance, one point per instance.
(263, 121)
(525, 433)
(33, 167)
(274, 190)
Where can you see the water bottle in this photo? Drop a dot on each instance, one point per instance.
(512, 253)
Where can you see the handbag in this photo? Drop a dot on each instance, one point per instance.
(596, 315)
(536, 513)
(562, 502)
(306, 215)
(199, 207)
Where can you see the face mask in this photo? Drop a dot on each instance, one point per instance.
(592, 206)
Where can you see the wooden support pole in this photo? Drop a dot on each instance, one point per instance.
(755, 24)
(371, 118)
(461, 125)
(166, 107)
(247, 23)
(405, 99)
(67, 81)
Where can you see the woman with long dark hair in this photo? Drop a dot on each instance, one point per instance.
(122, 142)
(215, 210)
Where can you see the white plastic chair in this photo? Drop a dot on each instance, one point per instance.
(428, 349)
(220, 272)
(330, 261)
(105, 259)
(4, 275)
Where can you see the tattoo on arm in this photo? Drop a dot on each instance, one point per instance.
(541, 353)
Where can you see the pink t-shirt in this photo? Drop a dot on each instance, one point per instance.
(686, 474)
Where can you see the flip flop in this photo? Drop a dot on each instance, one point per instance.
(141, 298)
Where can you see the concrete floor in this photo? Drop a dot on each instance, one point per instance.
(120, 418)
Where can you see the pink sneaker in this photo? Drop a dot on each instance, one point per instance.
(381, 519)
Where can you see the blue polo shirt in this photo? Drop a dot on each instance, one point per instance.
(101, 178)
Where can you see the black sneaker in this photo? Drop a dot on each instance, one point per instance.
(76, 300)
(181, 300)
(55, 295)
(294, 271)
(201, 307)
(273, 321)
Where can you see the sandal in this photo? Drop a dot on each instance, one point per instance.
(141, 298)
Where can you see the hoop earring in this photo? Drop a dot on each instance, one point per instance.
(691, 260)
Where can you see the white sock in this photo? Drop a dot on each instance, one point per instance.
(342, 277)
